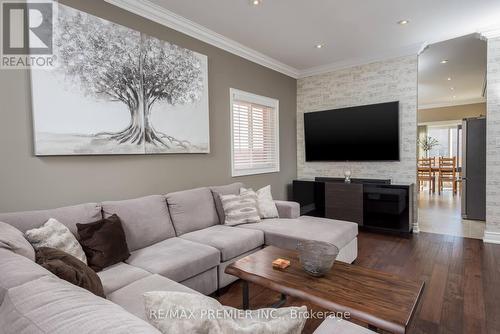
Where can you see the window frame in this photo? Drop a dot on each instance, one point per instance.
(239, 95)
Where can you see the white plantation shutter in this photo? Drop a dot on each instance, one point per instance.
(254, 134)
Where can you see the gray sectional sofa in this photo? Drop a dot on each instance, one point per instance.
(177, 243)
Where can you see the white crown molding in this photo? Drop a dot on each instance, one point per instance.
(452, 103)
(490, 32)
(414, 49)
(443, 123)
(167, 18)
(491, 237)
(174, 21)
(163, 16)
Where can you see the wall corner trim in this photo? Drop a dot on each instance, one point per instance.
(169, 19)
(491, 237)
(491, 32)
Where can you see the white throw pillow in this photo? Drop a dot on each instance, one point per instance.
(180, 312)
(240, 209)
(53, 234)
(267, 207)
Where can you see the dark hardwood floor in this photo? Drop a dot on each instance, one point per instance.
(462, 276)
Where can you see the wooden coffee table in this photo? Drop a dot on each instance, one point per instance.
(379, 299)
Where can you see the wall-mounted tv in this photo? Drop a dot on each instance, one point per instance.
(363, 133)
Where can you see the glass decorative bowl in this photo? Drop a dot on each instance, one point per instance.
(317, 257)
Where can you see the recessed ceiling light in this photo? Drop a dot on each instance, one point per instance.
(319, 46)
(444, 61)
(256, 2)
(452, 88)
(403, 22)
(449, 79)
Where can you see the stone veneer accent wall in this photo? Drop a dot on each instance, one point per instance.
(384, 81)
(493, 147)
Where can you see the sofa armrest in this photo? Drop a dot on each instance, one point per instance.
(287, 209)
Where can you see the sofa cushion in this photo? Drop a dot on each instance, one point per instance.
(52, 306)
(131, 299)
(69, 216)
(230, 241)
(285, 233)
(119, 275)
(229, 189)
(12, 239)
(70, 269)
(192, 210)
(146, 220)
(175, 258)
(104, 242)
(16, 270)
(224, 279)
(205, 283)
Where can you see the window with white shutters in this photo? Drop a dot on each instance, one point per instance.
(254, 134)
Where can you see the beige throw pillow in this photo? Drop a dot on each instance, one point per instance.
(240, 209)
(53, 234)
(265, 202)
(180, 312)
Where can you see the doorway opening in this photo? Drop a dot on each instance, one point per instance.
(451, 169)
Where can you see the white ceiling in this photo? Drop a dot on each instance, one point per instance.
(352, 30)
(466, 67)
(282, 34)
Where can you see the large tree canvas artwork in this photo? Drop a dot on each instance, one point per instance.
(118, 91)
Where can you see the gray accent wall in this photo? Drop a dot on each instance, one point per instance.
(28, 182)
(384, 81)
(493, 143)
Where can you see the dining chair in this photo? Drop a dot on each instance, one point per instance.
(447, 173)
(425, 174)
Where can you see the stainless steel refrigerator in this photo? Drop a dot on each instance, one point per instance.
(474, 168)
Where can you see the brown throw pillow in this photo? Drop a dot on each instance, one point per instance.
(69, 268)
(103, 242)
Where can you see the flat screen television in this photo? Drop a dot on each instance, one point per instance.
(363, 133)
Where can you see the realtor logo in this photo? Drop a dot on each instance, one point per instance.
(27, 34)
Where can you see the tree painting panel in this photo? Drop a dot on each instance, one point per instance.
(118, 91)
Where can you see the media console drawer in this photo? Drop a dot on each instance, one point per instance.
(344, 201)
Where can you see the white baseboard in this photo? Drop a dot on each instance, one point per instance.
(491, 237)
(416, 229)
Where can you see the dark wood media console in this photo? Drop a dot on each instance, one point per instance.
(374, 205)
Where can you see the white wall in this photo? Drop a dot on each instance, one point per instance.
(389, 80)
(492, 233)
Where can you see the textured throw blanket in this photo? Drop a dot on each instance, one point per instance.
(69, 268)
